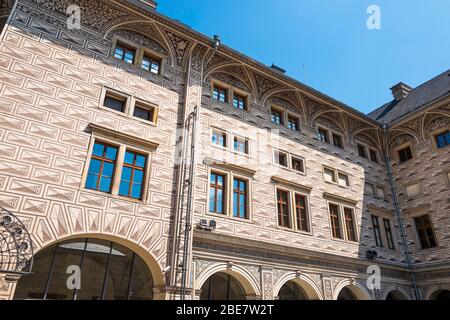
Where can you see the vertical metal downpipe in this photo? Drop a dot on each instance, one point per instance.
(399, 218)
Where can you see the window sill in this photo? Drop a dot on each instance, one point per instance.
(228, 217)
(297, 232)
(151, 123)
(113, 196)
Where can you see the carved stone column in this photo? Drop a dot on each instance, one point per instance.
(267, 283)
(327, 283)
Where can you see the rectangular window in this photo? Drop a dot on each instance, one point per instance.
(376, 231)
(239, 102)
(276, 116)
(133, 171)
(370, 189)
(115, 102)
(350, 224)
(144, 112)
(373, 155)
(151, 64)
(124, 53)
(283, 208)
(219, 138)
(425, 232)
(241, 145)
(217, 193)
(280, 158)
(413, 190)
(297, 164)
(362, 151)
(101, 167)
(388, 231)
(443, 139)
(329, 175)
(293, 123)
(337, 141)
(405, 154)
(240, 198)
(301, 213)
(220, 93)
(322, 135)
(343, 180)
(335, 223)
(380, 193)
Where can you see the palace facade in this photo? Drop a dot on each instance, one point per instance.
(140, 159)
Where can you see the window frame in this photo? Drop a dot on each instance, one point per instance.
(126, 45)
(378, 227)
(338, 220)
(418, 241)
(246, 142)
(225, 135)
(134, 167)
(282, 113)
(292, 192)
(433, 137)
(353, 222)
(290, 115)
(145, 52)
(235, 92)
(225, 87)
(373, 151)
(400, 148)
(340, 137)
(342, 222)
(302, 160)
(108, 92)
(246, 195)
(224, 192)
(274, 151)
(327, 134)
(362, 147)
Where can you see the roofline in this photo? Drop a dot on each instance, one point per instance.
(232, 53)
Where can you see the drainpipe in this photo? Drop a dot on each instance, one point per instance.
(399, 218)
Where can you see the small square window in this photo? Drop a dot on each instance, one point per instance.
(280, 158)
(124, 52)
(329, 175)
(219, 138)
(241, 145)
(144, 112)
(114, 102)
(405, 154)
(370, 189)
(373, 155)
(337, 141)
(322, 135)
(413, 190)
(239, 101)
(442, 139)
(151, 64)
(220, 93)
(297, 164)
(362, 151)
(425, 232)
(343, 179)
(293, 123)
(276, 116)
(380, 193)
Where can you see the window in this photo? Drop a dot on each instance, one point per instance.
(241, 145)
(377, 231)
(335, 224)
(370, 189)
(337, 141)
(219, 138)
(301, 214)
(343, 180)
(239, 101)
(322, 135)
(412, 190)
(114, 102)
(380, 193)
(276, 116)
(443, 139)
(220, 93)
(280, 158)
(132, 175)
(151, 64)
(297, 164)
(217, 193)
(101, 167)
(283, 208)
(144, 112)
(362, 151)
(329, 175)
(373, 155)
(405, 154)
(125, 53)
(293, 123)
(388, 232)
(349, 224)
(239, 198)
(425, 232)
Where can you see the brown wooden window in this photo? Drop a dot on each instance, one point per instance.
(350, 224)
(220, 93)
(144, 112)
(151, 64)
(219, 138)
(425, 232)
(280, 158)
(115, 102)
(125, 53)
(297, 165)
(293, 123)
(301, 213)
(239, 101)
(101, 167)
(240, 145)
(322, 135)
(335, 222)
(276, 116)
(133, 172)
(283, 208)
(240, 198)
(217, 193)
(337, 141)
(373, 155)
(362, 151)
(377, 231)
(388, 232)
(405, 154)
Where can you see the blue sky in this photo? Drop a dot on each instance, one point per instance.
(326, 43)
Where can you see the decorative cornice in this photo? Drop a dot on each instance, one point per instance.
(229, 166)
(292, 184)
(339, 198)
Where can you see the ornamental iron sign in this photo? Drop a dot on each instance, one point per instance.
(16, 247)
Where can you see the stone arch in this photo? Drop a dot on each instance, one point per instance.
(367, 140)
(358, 290)
(231, 79)
(432, 291)
(397, 291)
(246, 280)
(438, 121)
(311, 289)
(329, 123)
(401, 138)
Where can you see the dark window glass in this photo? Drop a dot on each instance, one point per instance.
(240, 198)
(405, 154)
(222, 286)
(217, 193)
(301, 213)
(239, 102)
(362, 151)
(101, 167)
(219, 138)
(346, 294)
(373, 155)
(388, 231)
(335, 223)
(283, 209)
(240, 145)
(143, 113)
(276, 116)
(114, 103)
(280, 158)
(151, 64)
(297, 165)
(133, 170)
(337, 141)
(220, 94)
(443, 139)
(425, 232)
(125, 53)
(293, 123)
(376, 231)
(350, 224)
(292, 291)
(322, 135)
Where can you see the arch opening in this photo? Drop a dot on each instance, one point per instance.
(442, 295)
(222, 286)
(291, 290)
(396, 295)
